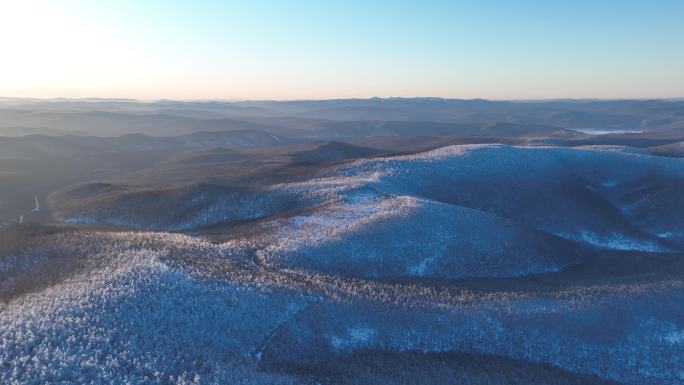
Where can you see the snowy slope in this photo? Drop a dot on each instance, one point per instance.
(459, 211)
(567, 192)
(368, 235)
(161, 308)
(127, 316)
(608, 197)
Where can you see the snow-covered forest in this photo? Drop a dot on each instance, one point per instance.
(560, 274)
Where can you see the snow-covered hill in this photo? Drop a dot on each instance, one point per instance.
(371, 235)
(546, 256)
(609, 197)
(587, 194)
(117, 307)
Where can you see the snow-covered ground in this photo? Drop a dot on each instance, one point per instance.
(378, 254)
(589, 194)
(368, 235)
(160, 308)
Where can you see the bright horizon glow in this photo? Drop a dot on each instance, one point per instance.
(494, 49)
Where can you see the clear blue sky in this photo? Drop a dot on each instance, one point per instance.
(323, 49)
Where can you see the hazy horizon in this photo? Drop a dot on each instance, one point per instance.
(245, 100)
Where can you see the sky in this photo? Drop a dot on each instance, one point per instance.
(305, 49)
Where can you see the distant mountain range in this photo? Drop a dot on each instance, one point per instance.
(167, 118)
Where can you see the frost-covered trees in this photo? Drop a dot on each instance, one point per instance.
(167, 308)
